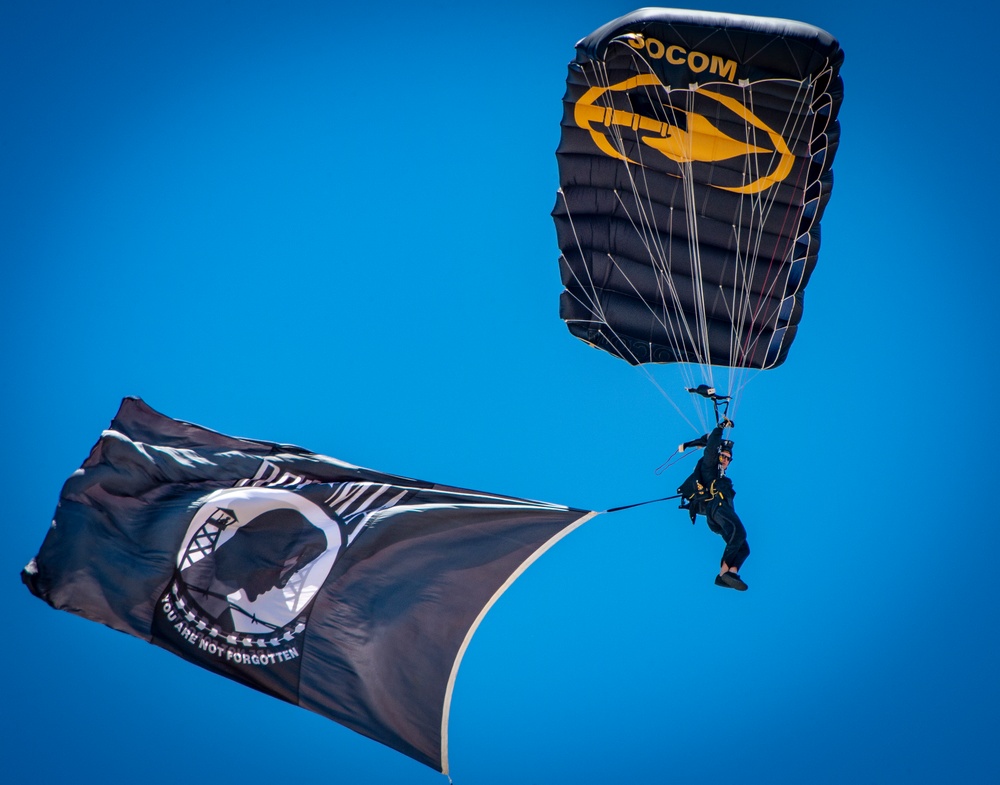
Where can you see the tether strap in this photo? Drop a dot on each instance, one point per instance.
(639, 504)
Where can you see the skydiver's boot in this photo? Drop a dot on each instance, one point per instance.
(731, 580)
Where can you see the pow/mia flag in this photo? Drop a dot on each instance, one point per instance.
(342, 590)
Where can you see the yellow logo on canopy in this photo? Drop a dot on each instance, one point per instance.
(699, 142)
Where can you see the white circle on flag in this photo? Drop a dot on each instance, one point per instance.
(222, 515)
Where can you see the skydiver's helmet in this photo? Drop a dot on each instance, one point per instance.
(726, 446)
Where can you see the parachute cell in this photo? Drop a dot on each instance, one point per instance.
(694, 167)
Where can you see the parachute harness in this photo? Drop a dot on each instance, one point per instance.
(701, 494)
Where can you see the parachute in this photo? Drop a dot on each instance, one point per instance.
(694, 167)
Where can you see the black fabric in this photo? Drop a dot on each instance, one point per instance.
(694, 168)
(343, 590)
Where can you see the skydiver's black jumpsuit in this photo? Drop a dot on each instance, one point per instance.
(715, 501)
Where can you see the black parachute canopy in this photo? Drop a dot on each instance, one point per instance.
(694, 167)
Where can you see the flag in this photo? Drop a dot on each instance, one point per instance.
(343, 590)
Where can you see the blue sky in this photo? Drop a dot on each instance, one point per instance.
(330, 227)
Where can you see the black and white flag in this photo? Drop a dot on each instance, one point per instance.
(343, 590)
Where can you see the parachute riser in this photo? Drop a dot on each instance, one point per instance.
(720, 403)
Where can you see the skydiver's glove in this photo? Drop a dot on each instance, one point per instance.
(727, 423)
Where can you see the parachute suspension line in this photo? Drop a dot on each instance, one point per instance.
(661, 262)
(659, 259)
(643, 223)
(740, 307)
(653, 380)
(747, 375)
(588, 286)
(650, 235)
(661, 266)
(658, 256)
(743, 310)
(741, 346)
(646, 230)
(698, 332)
(781, 256)
(743, 272)
(695, 337)
(694, 248)
(801, 110)
(596, 306)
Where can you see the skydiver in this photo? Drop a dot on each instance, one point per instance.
(709, 492)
